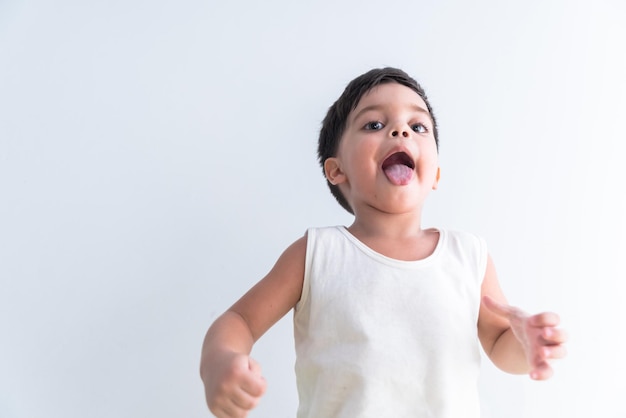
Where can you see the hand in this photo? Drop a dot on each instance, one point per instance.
(234, 386)
(538, 335)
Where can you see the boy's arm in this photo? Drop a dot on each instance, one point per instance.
(515, 341)
(232, 380)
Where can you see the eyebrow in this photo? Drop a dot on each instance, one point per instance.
(413, 106)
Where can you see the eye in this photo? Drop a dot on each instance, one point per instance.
(419, 128)
(374, 126)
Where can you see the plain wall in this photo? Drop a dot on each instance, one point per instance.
(157, 157)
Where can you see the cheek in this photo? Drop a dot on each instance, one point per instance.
(428, 170)
(361, 159)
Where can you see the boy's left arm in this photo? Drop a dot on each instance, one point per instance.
(515, 341)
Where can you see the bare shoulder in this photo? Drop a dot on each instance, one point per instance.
(277, 293)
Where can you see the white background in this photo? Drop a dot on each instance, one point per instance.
(156, 158)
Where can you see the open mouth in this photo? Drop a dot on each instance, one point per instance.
(401, 158)
(398, 168)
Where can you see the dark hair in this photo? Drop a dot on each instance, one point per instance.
(334, 123)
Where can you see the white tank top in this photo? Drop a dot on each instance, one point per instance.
(379, 337)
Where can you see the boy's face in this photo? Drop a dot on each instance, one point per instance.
(387, 158)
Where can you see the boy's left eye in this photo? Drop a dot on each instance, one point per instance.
(419, 128)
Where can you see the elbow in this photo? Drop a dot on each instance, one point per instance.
(507, 354)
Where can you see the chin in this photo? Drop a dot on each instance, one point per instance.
(400, 208)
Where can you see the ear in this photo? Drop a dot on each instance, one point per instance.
(436, 183)
(333, 171)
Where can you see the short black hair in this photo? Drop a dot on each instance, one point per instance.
(336, 118)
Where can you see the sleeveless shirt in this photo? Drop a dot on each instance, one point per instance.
(378, 337)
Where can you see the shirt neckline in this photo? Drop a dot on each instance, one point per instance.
(394, 261)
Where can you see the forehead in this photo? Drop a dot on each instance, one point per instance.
(389, 95)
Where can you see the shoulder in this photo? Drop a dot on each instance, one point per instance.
(324, 230)
(461, 235)
(278, 292)
(464, 240)
(470, 248)
(323, 234)
(294, 254)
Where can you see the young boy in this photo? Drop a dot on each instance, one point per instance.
(387, 315)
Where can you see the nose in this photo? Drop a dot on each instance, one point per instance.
(396, 133)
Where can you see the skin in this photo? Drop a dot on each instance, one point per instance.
(389, 118)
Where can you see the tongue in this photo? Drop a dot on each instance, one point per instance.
(399, 174)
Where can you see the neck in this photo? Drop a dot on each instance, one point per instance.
(372, 223)
(398, 236)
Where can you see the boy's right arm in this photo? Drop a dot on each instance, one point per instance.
(232, 380)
